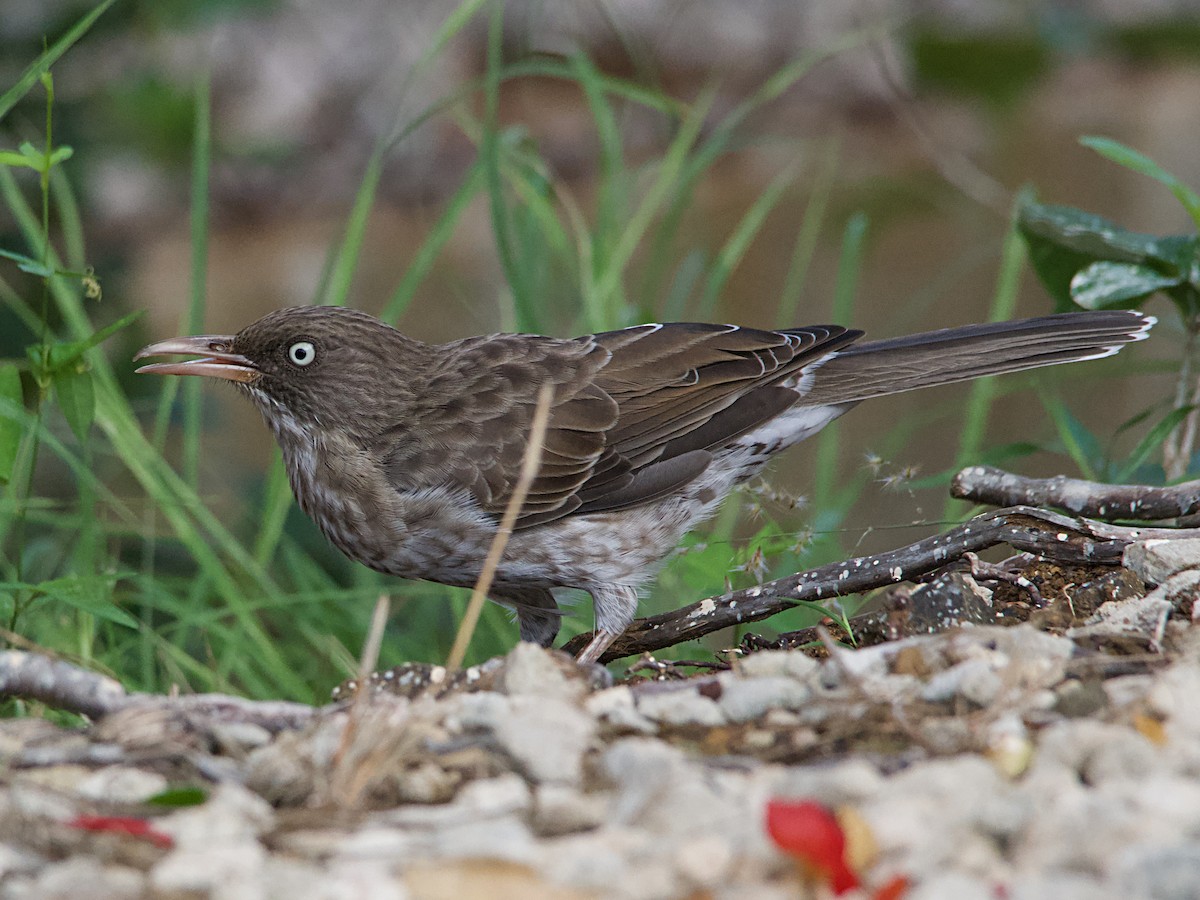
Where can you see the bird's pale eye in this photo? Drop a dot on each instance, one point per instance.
(302, 353)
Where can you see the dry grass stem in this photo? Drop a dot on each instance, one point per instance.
(529, 469)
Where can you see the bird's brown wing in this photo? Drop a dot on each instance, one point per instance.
(685, 389)
(635, 411)
(471, 421)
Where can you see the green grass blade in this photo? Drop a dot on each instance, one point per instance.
(983, 391)
(418, 270)
(612, 177)
(490, 149)
(726, 135)
(192, 522)
(455, 22)
(829, 449)
(277, 502)
(1077, 441)
(607, 285)
(743, 235)
(198, 224)
(10, 429)
(70, 225)
(49, 57)
(335, 288)
(687, 276)
(854, 238)
(622, 88)
(1152, 441)
(1144, 165)
(342, 264)
(810, 230)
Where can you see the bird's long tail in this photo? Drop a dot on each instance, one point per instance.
(879, 368)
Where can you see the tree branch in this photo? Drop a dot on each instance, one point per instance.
(33, 676)
(985, 484)
(1050, 535)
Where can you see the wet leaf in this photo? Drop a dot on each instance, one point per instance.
(1086, 233)
(1103, 285)
(1063, 241)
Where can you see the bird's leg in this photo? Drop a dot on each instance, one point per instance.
(537, 613)
(616, 605)
(599, 643)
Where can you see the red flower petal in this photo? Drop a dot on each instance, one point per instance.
(811, 833)
(892, 889)
(138, 828)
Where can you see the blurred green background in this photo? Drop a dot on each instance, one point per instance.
(555, 167)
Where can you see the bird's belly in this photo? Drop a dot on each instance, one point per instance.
(423, 536)
(440, 534)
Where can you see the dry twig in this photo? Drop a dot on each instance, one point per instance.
(1049, 535)
(529, 469)
(986, 484)
(33, 676)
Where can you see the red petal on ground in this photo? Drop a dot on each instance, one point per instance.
(138, 828)
(893, 889)
(811, 833)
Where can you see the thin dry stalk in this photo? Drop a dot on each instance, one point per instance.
(529, 469)
(366, 665)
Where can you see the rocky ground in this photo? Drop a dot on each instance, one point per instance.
(1057, 757)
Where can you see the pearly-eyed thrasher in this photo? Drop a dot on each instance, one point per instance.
(405, 453)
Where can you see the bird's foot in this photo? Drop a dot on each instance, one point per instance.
(600, 642)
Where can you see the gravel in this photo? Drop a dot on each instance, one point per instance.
(1050, 759)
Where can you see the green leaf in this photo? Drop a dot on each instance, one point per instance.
(179, 796)
(1104, 285)
(31, 157)
(77, 399)
(996, 66)
(89, 593)
(14, 159)
(61, 154)
(1182, 253)
(1063, 240)
(10, 429)
(66, 354)
(1144, 165)
(26, 264)
(1086, 233)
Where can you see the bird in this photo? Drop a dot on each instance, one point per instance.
(406, 453)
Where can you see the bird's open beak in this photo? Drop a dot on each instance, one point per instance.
(215, 359)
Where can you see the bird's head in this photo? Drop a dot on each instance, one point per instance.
(305, 367)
